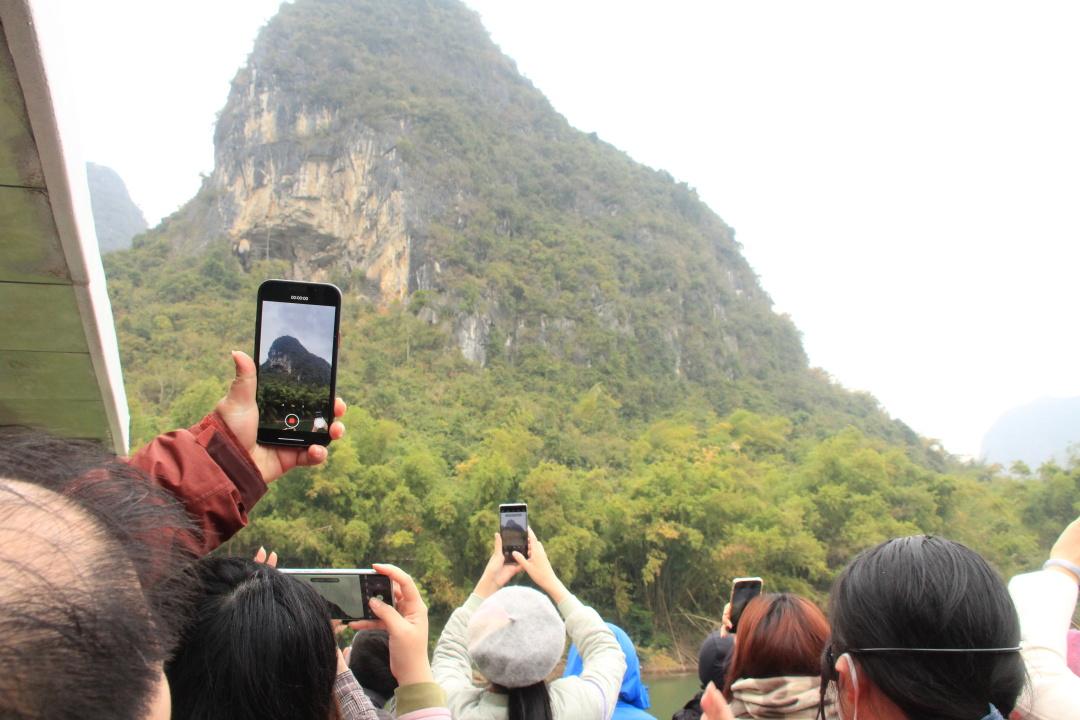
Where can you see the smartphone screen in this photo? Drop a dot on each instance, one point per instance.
(514, 528)
(296, 333)
(347, 591)
(743, 590)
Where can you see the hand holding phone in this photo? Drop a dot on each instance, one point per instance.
(407, 626)
(296, 347)
(514, 529)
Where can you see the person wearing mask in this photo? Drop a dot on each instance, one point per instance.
(713, 659)
(633, 698)
(516, 637)
(775, 669)
(922, 627)
(1045, 602)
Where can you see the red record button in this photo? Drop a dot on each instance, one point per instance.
(291, 421)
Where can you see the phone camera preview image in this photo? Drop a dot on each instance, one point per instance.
(347, 592)
(514, 530)
(296, 355)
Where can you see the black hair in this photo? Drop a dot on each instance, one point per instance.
(92, 588)
(531, 702)
(714, 657)
(925, 592)
(259, 647)
(369, 661)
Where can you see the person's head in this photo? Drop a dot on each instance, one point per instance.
(779, 635)
(516, 638)
(259, 646)
(369, 661)
(88, 602)
(714, 658)
(923, 626)
(633, 691)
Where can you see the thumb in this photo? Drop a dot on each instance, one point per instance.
(388, 614)
(242, 390)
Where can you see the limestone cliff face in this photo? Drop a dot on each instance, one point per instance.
(298, 183)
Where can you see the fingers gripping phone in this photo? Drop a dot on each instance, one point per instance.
(743, 590)
(514, 529)
(296, 348)
(347, 591)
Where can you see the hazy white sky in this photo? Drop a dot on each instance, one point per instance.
(903, 176)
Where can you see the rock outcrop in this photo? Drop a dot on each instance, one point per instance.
(302, 184)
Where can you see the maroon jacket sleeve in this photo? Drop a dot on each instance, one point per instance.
(208, 470)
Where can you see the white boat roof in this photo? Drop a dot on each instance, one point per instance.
(59, 362)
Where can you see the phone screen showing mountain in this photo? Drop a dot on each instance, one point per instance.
(514, 528)
(296, 354)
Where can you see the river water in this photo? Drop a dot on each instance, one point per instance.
(668, 693)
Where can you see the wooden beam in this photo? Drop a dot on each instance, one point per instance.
(30, 249)
(46, 376)
(40, 318)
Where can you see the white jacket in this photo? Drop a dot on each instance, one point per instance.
(1045, 602)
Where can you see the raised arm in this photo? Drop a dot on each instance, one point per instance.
(451, 663)
(603, 661)
(1045, 602)
(217, 469)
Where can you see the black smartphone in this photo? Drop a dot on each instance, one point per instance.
(347, 591)
(296, 347)
(743, 590)
(514, 529)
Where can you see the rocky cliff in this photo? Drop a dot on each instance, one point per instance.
(392, 149)
(290, 359)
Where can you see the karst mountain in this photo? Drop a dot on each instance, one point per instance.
(393, 149)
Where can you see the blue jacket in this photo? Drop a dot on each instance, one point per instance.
(633, 695)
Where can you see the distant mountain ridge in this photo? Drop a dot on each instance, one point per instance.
(1034, 433)
(117, 219)
(289, 358)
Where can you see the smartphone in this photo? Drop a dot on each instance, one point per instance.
(347, 591)
(514, 529)
(296, 348)
(743, 590)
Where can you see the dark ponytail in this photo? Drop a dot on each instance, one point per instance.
(922, 593)
(529, 703)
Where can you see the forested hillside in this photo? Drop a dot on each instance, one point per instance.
(529, 315)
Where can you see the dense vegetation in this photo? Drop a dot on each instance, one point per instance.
(639, 393)
(649, 519)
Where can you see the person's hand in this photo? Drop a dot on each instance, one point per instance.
(539, 568)
(725, 622)
(407, 626)
(1067, 548)
(497, 572)
(714, 706)
(262, 557)
(240, 413)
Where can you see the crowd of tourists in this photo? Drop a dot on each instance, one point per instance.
(111, 606)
